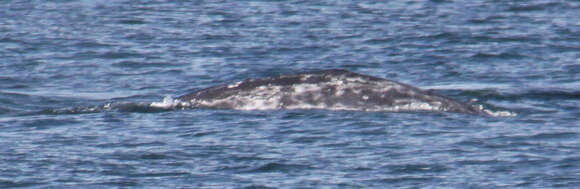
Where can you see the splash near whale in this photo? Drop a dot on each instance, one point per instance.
(328, 89)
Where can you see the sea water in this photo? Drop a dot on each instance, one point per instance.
(83, 83)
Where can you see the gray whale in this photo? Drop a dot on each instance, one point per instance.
(334, 89)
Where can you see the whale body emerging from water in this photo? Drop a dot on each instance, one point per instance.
(334, 89)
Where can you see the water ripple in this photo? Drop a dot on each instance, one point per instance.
(78, 80)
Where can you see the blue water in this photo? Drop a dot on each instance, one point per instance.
(76, 78)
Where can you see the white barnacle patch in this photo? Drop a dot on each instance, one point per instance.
(335, 81)
(260, 98)
(365, 97)
(356, 80)
(304, 88)
(234, 85)
(305, 77)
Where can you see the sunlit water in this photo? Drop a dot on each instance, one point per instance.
(88, 94)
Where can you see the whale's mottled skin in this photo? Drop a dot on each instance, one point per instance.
(328, 89)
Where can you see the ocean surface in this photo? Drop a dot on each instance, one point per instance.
(78, 79)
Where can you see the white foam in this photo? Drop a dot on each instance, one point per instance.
(168, 103)
(500, 113)
(496, 113)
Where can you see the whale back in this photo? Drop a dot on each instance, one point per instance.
(329, 89)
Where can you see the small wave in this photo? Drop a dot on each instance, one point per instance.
(501, 55)
(275, 166)
(551, 94)
(546, 95)
(167, 104)
(534, 93)
(529, 7)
